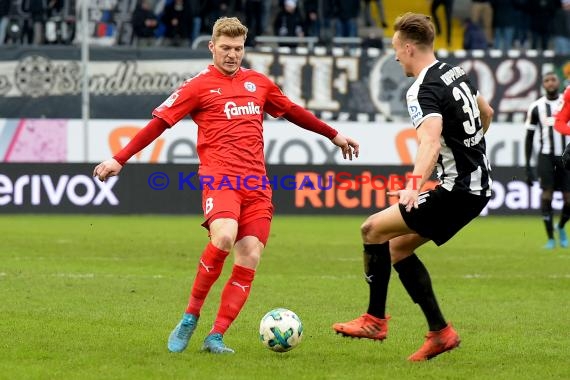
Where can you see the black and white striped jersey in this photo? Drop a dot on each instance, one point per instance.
(540, 118)
(444, 91)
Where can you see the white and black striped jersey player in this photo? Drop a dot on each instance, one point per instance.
(550, 169)
(445, 92)
(450, 119)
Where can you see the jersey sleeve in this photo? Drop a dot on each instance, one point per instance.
(277, 103)
(563, 115)
(532, 118)
(180, 103)
(423, 103)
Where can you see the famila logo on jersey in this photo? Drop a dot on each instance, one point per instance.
(232, 109)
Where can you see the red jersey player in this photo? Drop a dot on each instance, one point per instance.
(561, 125)
(227, 103)
(563, 115)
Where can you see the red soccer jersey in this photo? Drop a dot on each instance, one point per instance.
(229, 113)
(563, 115)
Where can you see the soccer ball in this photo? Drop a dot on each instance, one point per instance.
(280, 330)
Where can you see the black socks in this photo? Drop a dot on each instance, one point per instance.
(377, 268)
(417, 282)
(546, 209)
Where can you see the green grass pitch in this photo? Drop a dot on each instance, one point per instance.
(95, 297)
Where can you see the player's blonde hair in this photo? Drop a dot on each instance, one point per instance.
(229, 27)
(417, 28)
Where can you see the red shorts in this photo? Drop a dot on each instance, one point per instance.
(252, 209)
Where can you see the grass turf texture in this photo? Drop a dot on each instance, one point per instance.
(93, 297)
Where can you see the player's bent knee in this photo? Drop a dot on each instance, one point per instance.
(366, 229)
(223, 241)
(371, 234)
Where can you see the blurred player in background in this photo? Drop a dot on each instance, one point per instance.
(551, 172)
(450, 120)
(563, 117)
(227, 102)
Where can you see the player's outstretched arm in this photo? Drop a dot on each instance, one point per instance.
(141, 140)
(306, 120)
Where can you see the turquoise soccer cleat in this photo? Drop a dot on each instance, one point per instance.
(179, 337)
(550, 244)
(214, 343)
(562, 237)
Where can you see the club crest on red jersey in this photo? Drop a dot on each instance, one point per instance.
(249, 86)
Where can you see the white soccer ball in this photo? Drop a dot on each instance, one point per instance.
(280, 330)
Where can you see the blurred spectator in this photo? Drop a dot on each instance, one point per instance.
(197, 9)
(369, 20)
(177, 20)
(289, 22)
(522, 23)
(561, 29)
(54, 32)
(4, 19)
(504, 19)
(448, 10)
(145, 23)
(253, 20)
(482, 14)
(473, 36)
(14, 32)
(54, 8)
(327, 27)
(34, 26)
(214, 9)
(542, 17)
(266, 6)
(312, 19)
(346, 13)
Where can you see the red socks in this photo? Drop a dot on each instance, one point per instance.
(234, 295)
(209, 269)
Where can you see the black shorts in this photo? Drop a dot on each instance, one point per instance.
(443, 213)
(552, 174)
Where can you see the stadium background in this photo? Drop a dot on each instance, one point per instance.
(47, 150)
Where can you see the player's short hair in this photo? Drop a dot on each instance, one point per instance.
(417, 28)
(549, 74)
(229, 27)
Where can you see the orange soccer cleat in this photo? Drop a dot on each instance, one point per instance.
(437, 342)
(365, 326)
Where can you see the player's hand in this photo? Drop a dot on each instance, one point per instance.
(408, 198)
(107, 169)
(348, 146)
(530, 178)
